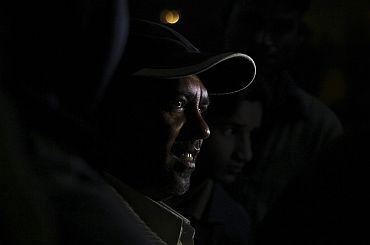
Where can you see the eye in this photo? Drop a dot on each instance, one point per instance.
(178, 104)
(202, 109)
(255, 134)
(229, 130)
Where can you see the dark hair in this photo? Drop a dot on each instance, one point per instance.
(289, 5)
(301, 6)
(221, 106)
(246, 17)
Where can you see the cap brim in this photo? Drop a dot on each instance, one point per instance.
(235, 71)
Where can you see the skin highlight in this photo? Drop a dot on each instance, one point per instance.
(164, 128)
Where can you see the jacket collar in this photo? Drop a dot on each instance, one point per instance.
(168, 224)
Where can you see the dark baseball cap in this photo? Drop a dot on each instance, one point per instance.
(157, 51)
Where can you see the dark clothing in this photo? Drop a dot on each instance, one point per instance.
(293, 133)
(326, 205)
(296, 129)
(56, 58)
(24, 211)
(89, 209)
(216, 217)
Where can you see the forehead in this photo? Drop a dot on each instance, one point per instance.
(272, 11)
(247, 112)
(190, 86)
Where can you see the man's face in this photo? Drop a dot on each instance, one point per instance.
(271, 36)
(229, 148)
(170, 131)
(278, 37)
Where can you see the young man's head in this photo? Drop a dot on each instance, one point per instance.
(152, 114)
(271, 30)
(233, 120)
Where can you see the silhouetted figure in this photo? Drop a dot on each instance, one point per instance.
(25, 214)
(44, 47)
(296, 127)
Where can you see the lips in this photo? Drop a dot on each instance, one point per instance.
(234, 169)
(187, 158)
(185, 154)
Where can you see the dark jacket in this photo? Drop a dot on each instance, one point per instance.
(216, 217)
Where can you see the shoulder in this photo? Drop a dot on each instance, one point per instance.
(319, 116)
(224, 209)
(88, 210)
(230, 219)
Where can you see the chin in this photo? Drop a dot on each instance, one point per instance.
(227, 179)
(181, 185)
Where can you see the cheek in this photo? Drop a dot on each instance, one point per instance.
(171, 126)
(218, 148)
(289, 41)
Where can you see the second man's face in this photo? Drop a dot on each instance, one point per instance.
(229, 148)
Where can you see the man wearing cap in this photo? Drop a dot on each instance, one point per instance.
(210, 205)
(152, 126)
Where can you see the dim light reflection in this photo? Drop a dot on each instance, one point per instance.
(170, 16)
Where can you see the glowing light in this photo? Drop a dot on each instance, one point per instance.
(170, 16)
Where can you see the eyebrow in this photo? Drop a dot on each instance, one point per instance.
(239, 125)
(235, 124)
(204, 100)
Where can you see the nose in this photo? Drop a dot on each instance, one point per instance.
(265, 38)
(196, 128)
(201, 128)
(262, 36)
(243, 148)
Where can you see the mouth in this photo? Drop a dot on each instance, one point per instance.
(234, 169)
(185, 156)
